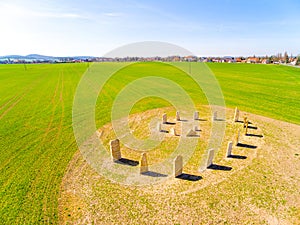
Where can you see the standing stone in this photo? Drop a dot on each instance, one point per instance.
(236, 115)
(245, 120)
(115, 150)
(237, 138)
(178, 165)
(164, 118)
(99, 134)
(144, 164)
(210, 158)
(173, 131)
(159, 127)
(196, 128)
(177, 116)
(229, 149)
(215, 116)
(191, 133)
(196, 115)
(246, 127)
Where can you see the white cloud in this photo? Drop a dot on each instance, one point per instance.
(111, 14)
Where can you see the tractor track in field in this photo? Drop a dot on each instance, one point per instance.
(61, 100)
(42, 139)
(55, 101)
(9, 101)
(17, 98)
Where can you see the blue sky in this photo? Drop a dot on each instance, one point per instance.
(94, 27)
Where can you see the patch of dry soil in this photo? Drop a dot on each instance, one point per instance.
(261, 187)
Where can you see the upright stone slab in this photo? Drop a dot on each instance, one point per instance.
(144, 163)
(215, 116)
(115, 149)
(236, 115)
(229, 149)
(245, 120)
(191, 133)
(99, 134)
(173, 131)
(178, 165)
(159, 127)
(196, 128)
(237, 138)
(246, 127)
(164, 118)
(177, 116)
(196, 115)
(210, 158)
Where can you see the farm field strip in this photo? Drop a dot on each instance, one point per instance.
(34, 166)
(36, 135)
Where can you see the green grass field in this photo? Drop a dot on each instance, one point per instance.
(36, 136)
(269, 90)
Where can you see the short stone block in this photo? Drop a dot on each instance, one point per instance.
(164, 118)
(236, 115)
(191, 133)
(177, 116)
(196, 115)
(229, 149)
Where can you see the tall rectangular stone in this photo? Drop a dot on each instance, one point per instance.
(246, 127)
(159, 127)
(245, 120)
(196, 115)
(99, 134)
(144, 163)
(173, 131)
(229, 149)
(164, 118)
(177, 116)
(178, 166)
(236, 115)
(115, 149)
(237, 138)
(210, 158)
(215, 116)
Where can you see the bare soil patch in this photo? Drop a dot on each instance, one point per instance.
(262, 186)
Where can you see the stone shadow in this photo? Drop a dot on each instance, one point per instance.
(219, 120)
(170, 123)
(127, 162)
(240, 121)
(201, 120)
(254, 135)
(189, 177)
(237, 157)
(252, 127)
(246, 146)
(154, 174)
(219, 167)
(194, 135)
(183, 120)
(164, 131)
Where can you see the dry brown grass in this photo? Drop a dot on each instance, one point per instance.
(261, 189)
